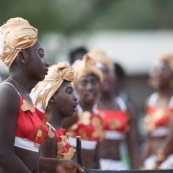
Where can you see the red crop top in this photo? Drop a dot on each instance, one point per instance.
(31, 123)
(64, 150)
(88, 126)
(157, 117)
(116, 120)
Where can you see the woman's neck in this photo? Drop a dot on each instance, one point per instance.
(165, 91)
(22, 82)
(55, 118)
(107, 96)
(87, 107)
(108, 101)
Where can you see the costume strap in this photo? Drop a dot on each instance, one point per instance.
(10, 85)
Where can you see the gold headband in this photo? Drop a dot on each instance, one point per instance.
(53, 80)
(166, 58)
(101, 57)
(84, 67)
(16, 34)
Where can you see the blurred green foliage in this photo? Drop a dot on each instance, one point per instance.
(69, 16)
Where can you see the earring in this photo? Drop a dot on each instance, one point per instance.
(23, 62)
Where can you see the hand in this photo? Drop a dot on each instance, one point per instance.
(68, 166)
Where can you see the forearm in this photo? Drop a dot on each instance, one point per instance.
(132, 141)
(163, 152)
(166, 148)
(47, 164)
(58, 165)
(133, 158)
(146, 150)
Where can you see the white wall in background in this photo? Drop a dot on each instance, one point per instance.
(134, 50)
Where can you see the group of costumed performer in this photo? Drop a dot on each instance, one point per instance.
(23, 126)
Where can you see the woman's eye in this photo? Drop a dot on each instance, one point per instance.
(94, 82)
(41, 52)
(83, 83)
(68, 91)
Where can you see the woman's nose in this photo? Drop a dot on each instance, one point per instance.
(75, 96)
(89, 86)
(46, 63)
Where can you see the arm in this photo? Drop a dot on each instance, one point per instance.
(166, 148)
(9, 107)
(132, 139)
(96, 157)
(49, 163)
(147, 147)
(59, 165)
(47, 150)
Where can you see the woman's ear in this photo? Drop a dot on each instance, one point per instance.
(22, 58)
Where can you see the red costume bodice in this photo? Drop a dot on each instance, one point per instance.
(116, 120)
(31, 123)
(157, 117)
(64, 150)
(88, 126)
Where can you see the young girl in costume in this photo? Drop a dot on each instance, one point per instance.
(159, 112)
(55, 96)
(120, 139)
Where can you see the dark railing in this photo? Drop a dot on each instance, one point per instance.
(129, 171)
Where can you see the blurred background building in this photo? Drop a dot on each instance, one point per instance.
(132, 32)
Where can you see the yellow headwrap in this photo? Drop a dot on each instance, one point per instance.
(84, 67)
(101, 57)
(166, 58)
(53, 80)
(16, 34)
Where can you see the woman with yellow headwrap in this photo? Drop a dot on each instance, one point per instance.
(22, 126)
(50, 96)
(159, 112)
(118, 122)
(88, 124)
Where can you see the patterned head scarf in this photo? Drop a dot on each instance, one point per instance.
(45, 89)
(101, 57)
(85, 67)
(16, 34)
(165, 58)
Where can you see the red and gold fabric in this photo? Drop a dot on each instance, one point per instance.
(45, 89)
(89, 127)
(157, 117)
(64, 150)
(84, 67)
(16, 34)
(115, 120)
(31, 123)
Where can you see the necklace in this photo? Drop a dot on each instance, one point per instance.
(18, 85)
